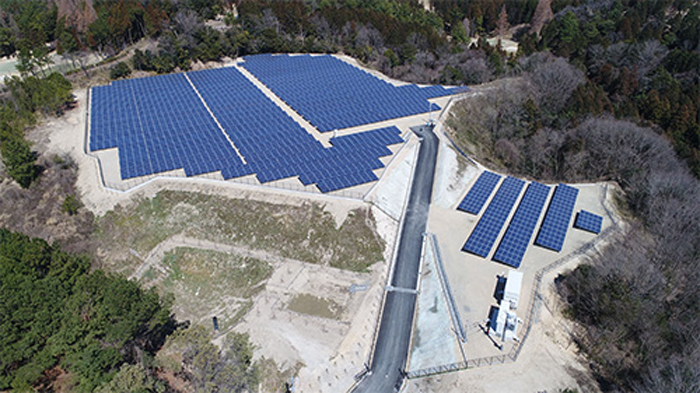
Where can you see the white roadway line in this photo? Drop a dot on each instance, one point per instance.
(390, 288)
(308, 127)
(223, 131)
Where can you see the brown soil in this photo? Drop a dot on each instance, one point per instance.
(55, 380)
(175, 383)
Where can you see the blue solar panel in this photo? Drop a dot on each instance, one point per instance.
(588, 221)
(348, 180)
(479, 193)
(517, 237)
(332, 94)
(161, 123)
(489, 226)
(556, 221)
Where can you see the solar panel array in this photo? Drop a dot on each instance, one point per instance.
(256, 125)
(556, 221)
(332, 94)
(161, 124)
(489, 226)
(588, 221)
(479, 193)
(512, 248)
(158, 124)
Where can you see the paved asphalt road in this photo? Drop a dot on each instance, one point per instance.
(394, 336)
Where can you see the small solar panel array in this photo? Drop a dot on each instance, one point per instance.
(512, 248)
(479, 193)
(588, 221)
(556, 221)
(519, 232)
(160, 124)
(332, 94)
(489, 226)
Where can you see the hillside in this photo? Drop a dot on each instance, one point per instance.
(587, 91)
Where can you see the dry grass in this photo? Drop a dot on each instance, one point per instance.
(306, 232)
(275, 380)
(37, 211)
(212, 271)
(207, 283)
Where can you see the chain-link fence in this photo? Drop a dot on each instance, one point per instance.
(452, 304)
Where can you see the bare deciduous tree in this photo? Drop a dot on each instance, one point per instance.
(554, 80)
(502, 23)
(187, 22)
(543, 14)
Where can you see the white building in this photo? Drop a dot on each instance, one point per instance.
(504, 324)
(511, 292)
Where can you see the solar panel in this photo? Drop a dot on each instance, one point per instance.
(479, 193)
(161, 123)
(489, 226)
(517, 237)
(332, 94)
(556, 221)
(588, 221)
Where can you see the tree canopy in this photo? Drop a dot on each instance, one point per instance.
(29, 95)
(56, 312)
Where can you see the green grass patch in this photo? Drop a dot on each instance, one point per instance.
(312, 305)
(150, 275)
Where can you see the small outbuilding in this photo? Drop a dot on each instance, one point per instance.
(511, 292)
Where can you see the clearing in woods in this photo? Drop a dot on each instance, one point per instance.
(285, 265)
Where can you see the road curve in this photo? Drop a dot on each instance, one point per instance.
(393, 340)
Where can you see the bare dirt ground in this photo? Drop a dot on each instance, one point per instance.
(279, 309)
(548, 363)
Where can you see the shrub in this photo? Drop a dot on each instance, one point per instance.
(19, 160)
(71, 205)
(121, 70)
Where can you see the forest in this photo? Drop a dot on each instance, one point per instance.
(558, 119)
(60, 316)
(599, 90)
(54, 307)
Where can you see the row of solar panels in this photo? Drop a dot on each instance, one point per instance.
(332, 94)
(516, 239)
